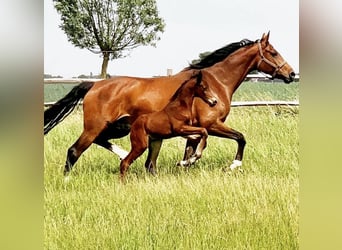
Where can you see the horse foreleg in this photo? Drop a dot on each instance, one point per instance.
(221, 130)
(139, 143)
(200, 147)
(154, 146)
(187, 131)
(129, 159)
(191, 145)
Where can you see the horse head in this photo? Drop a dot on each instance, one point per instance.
(203, 90)
(271, 62)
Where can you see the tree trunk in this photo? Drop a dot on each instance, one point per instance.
(104, 65)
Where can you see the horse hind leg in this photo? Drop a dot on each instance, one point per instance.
(111, 147)
(117, 129)
(75, 151)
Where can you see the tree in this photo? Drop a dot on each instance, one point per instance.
(111, 28)
(201, 56)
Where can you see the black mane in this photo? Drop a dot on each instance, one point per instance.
(219, 55)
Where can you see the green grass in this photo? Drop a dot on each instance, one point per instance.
(199, 208)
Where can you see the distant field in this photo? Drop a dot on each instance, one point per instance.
(199, 208)
(54, 92)
(267, 91)
(248, 91)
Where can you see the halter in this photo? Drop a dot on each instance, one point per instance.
(263, 58)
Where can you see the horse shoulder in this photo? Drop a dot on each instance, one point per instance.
(204, 115)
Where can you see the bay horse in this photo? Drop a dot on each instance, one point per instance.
(175, 119)
(111, 105)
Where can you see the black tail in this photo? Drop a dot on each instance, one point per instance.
(61, 109)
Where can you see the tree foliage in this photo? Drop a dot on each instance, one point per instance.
(110, 27)
(200, 57)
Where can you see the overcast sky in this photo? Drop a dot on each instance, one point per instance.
(192, 27)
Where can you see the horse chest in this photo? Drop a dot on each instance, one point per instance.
(223, 109)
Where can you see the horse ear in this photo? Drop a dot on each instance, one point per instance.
(268, 36)
(263, 36)
(264, 39)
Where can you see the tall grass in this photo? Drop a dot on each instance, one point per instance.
(198, 208)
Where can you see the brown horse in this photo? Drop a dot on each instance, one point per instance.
(111, 105)
(174, 120)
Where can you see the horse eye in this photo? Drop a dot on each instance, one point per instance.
(274, 53)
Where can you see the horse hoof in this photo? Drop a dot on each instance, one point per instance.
(152, 172)
(67, 179)
(192, 160)
(183, 163)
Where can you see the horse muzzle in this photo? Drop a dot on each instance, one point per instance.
(287, 79)
(290, 78)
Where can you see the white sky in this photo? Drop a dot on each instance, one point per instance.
(192, 27)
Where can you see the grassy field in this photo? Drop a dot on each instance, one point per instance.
(199, 208)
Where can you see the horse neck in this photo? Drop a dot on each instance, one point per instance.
(185, 94)
(233, 70)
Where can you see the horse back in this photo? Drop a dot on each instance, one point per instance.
(131, 96)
